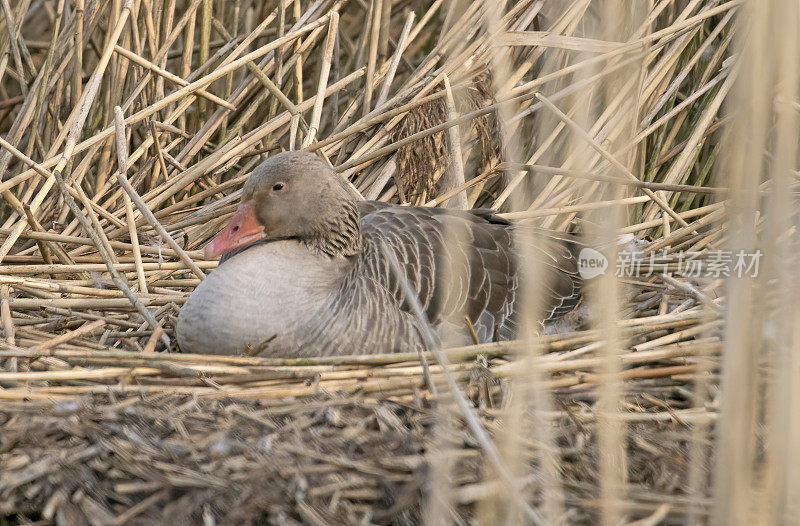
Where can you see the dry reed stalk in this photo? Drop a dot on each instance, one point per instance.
(780, 485)
(86, 328)
(735, 479)
(456, 158)
(526, 396)
(325, 69)
(167, 75)
(398, 54)
(122, 156)
(8, 324)
(98, 267)
(376, 7)
(614, 162)
(148, 215)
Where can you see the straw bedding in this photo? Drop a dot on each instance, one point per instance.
(248, 440)
(162, 457)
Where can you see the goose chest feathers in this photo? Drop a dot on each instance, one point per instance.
(304, 271)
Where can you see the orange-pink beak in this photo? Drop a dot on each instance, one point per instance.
(241, 230)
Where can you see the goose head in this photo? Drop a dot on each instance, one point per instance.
(293, 195)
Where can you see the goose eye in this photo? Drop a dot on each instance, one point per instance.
(277, 187)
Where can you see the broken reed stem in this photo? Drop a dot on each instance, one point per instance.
(130, 55)
(151, 219)
(35, 225)
(614, 162)
(86, 328)
(325, 68)
(8, 324)
(459, 201)
(398, 54)
(375, 28)
(119, 281)
(122, 159)
(150, 346)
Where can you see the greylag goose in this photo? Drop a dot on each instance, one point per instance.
(304, 271)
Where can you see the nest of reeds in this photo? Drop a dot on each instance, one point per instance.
(251, 442)
(127, 130)
(133, 438)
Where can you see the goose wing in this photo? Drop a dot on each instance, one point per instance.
(467, 263)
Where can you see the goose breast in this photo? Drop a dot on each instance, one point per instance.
(257, 298)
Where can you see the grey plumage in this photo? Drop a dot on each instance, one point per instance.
(318, 284)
